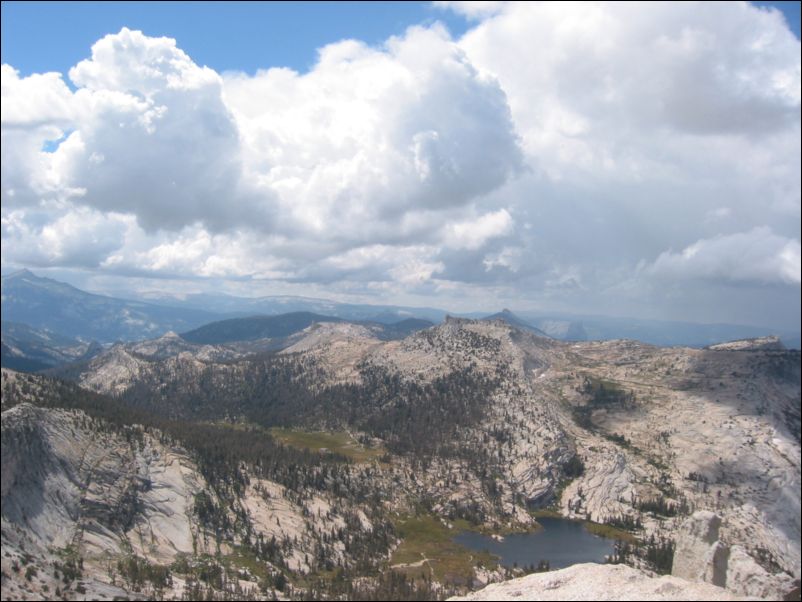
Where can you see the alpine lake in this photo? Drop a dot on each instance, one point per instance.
(560, 542)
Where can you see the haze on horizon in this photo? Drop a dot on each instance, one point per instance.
(622, 159)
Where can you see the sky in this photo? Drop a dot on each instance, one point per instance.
(609, 158)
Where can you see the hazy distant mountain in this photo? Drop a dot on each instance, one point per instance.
(28, 349)
(512, 319)
(282, 304)
(565, 330)
(273, 327)
(569, 327)
(404, 328)
(24, 333)
(254, 327)
(13, 358)
(47, 304)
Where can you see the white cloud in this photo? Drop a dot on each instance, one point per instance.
(195, 251)
(475, 9)
(133, 63)
(593, 84)
(541, 157)
(370, 146)
(77, 238)
(474, 233)
(155, 139)
(412, 265)
(370, 135)
(35, 109)
(41, 99)
(758, 256)
(508, 257)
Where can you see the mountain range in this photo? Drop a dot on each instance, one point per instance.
(46, 304)
(28, 349)
(59, 309)
(335, 462)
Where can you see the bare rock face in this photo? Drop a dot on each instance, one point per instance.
(68, 484)
(600, 582)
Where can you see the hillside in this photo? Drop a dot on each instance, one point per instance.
(482, 424)
(96, 505)
(28, 349)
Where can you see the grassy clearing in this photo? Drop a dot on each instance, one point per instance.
(242, 558)
(428, 548)
(320, 441)
(546, 513)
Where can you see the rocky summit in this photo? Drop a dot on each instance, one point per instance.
(600, 582)
(338, 463)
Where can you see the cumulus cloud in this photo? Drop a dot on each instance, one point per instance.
(473, 234)
(155, 138)
(372, 135)
(613, 90)
(647, 127)
(373, 145)
(477, 9)
(35, 109)
(76, 238)
(148, 135)
(758, 256)
(196, 252)
(41, 99)
(549, 156)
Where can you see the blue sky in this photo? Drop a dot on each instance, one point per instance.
(789, 9)
(245, 36)
(53, 36)
(635, 159)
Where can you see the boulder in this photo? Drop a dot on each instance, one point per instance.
(600, 582)
(699, 555)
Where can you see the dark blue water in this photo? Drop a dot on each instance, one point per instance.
(562, 542)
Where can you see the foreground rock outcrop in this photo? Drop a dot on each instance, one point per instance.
(699, 555)
(600, 582)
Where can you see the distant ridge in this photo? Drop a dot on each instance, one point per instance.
(50, 305)
(228, 306)
(513, 320)
(271, 327)
(57, 307)
(28, 349)
(254, 328)
(403, 328)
